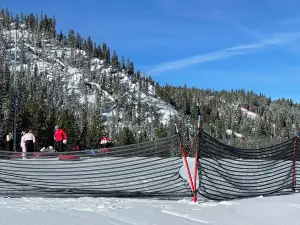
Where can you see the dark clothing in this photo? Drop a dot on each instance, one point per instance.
(29, 146)
(9, 145)
(59, 146)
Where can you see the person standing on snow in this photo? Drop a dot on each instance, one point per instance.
(23, 143)
(60, 139)
(105, 141)
(29, 140)
(9, 142)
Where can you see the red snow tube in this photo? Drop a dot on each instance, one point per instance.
(104, 150)
(16, 155)
(28, 154)
(36, 154)
(68, 157)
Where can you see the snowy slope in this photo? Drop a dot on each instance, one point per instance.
(230, 132)
(58, 64)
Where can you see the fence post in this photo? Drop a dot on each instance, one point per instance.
(195, 176)
(196, 157)
(294, 165)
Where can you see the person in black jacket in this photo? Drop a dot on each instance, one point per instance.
(9, 142)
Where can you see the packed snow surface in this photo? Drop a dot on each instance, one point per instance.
(118, 211)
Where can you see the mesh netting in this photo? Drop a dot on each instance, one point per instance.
(147, 169)
(226, 172)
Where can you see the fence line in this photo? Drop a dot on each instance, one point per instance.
(227, 172)
(142, 170)
(151, 169)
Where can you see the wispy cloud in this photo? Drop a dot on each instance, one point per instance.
(290, 46)
(277, 39)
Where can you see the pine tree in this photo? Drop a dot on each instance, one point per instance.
(89, 46)
(123, 66)
(78, 41)
(161, 131)
(107, 56)
(131, 68)
(126, 137)
(71, 39)
(115, 61)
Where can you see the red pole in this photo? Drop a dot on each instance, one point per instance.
(187, 167)
(195, 176)
(294, 165)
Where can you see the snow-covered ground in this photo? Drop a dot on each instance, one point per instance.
(120, 211)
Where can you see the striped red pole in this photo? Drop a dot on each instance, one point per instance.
(294, 165)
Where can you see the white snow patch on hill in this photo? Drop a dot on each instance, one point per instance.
(230, 132)
(238, 135)
(249, 113)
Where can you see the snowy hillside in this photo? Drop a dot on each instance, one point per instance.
(71, 80)
(77, 81)
(55, 61)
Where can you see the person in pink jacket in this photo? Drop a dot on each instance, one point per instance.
(29, 141)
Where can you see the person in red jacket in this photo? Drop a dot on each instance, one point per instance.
(105, 143)
(60, 138)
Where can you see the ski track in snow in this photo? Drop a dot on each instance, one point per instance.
(185, 216)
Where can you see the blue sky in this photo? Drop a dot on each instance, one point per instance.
(216, 44)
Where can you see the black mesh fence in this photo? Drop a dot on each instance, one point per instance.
(140, 170)
(226, 172)
(252, 142)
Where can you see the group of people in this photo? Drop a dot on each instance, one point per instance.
(28, 140)
(60, 140)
